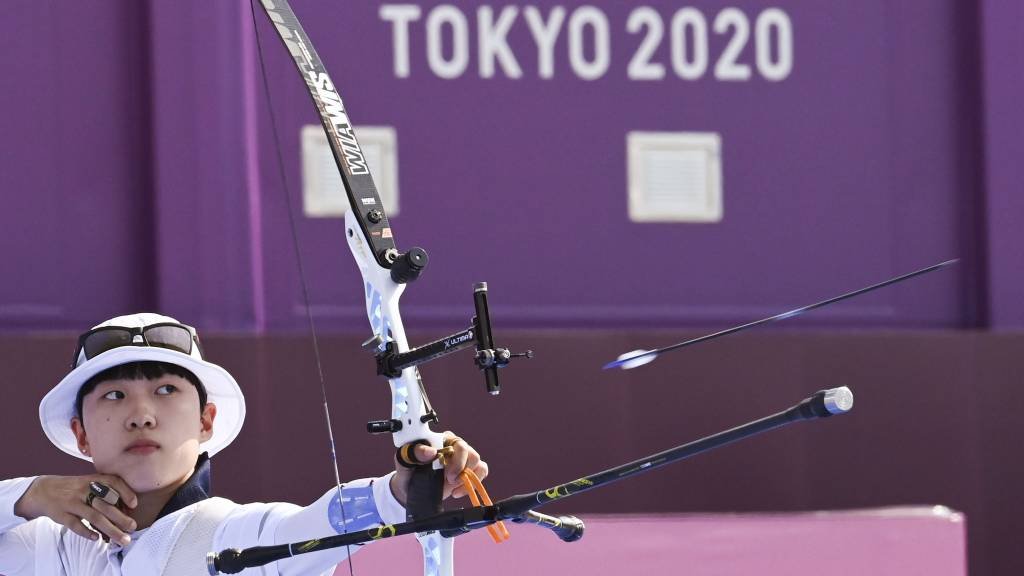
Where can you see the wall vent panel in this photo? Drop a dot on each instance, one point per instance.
(674, 176)
(322, 192)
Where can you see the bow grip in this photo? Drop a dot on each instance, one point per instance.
(426, 486)
(425, 492)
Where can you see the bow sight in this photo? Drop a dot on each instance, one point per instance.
(488, 358)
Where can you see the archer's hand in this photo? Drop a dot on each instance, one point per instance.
(464, 457)
(62, 499)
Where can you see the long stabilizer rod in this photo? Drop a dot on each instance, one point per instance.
(822, 404)
(520, 508)
(638, 358)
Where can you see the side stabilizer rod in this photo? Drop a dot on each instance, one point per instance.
(520, 509)
(822, 404)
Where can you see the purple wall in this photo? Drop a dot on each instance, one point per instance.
(863, 163)
(847, 172)
(138, 172)
(1003, 48)
(75, 166)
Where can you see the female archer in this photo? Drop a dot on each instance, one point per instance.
(144, 406)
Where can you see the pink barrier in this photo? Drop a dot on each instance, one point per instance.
(881, 542)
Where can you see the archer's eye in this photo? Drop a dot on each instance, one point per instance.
(167, 389)
(114, 395)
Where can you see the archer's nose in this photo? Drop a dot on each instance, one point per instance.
(142, 417)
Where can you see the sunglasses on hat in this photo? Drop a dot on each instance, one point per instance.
(169, 335)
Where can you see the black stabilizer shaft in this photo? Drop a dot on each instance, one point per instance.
(233, 560)
(521, 508)
(821, 404)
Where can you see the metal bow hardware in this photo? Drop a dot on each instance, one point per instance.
(385, 272)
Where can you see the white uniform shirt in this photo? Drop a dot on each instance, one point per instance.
(42, 547)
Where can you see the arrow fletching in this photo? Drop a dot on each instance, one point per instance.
(633, 359)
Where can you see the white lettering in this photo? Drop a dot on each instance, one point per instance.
(440, 16)
(492, 41)
(355, 163)
(545, 35)
(727, 67)
(582, 18)
(780, 68)
(400, 15)
(693, 67)
(640, 65)
(453, 39)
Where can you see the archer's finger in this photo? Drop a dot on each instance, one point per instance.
(424, 453)
(74, 523)
(480, 468)
(464, 457)
(459, 489)
(100, 523)
(472, 459)
(121, 520)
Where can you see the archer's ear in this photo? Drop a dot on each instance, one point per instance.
(83, 440)
(206, 421)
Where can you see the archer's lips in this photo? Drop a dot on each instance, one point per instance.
(142, 447)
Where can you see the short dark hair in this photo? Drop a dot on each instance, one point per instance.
(148, 370)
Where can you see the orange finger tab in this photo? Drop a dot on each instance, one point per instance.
(477, 495)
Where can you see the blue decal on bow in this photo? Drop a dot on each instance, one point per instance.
(379, 322)
(431, 557)
(360, 510)
(376, 318)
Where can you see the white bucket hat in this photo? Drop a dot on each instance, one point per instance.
(58, 406)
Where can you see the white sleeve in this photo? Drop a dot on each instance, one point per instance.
(10, 492)
(367, 503)
(17, 536)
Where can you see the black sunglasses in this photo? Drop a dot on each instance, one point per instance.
(177, 337)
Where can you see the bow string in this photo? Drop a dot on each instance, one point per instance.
(385, 272)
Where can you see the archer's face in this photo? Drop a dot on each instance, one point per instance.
(147, 432)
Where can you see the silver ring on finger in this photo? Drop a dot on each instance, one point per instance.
(103, 492)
